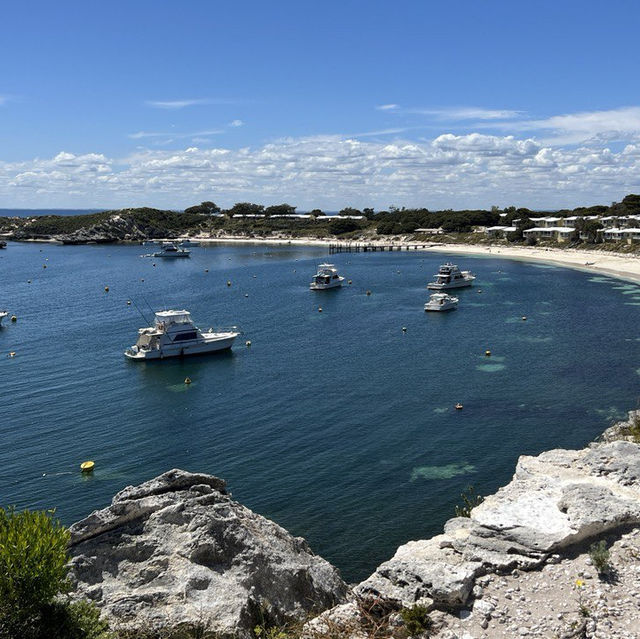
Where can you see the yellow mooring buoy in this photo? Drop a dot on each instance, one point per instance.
(128, 302)
(524, 318)
(14, 318)
(106, 289)
(87, 467)
(319, 309)
(228, 282)
(487, 353)
(368, 292)
(248, 343)
(187, 380)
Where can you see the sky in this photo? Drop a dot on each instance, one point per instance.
(458, 104)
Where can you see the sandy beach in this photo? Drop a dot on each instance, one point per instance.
(615, 264)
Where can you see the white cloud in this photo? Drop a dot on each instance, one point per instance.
(466, 113)
(453, 114)
(181, 104)
(236, 123)
(333, 171)
(174, 104)
(604, 126)
(140, 135)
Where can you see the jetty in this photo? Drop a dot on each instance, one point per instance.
(357, 247)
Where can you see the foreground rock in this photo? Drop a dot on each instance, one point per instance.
(178, 550)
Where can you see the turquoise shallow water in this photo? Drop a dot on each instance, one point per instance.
(338, 425)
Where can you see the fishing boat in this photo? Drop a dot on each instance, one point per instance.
(326, 277)
(450, 276)
(175, 335)
(3, 314)
(170, 250)
(441, 302)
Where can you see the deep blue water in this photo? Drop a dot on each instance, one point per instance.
(338, 425)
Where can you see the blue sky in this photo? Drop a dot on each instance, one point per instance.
(365, 103)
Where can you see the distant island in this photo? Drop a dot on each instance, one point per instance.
(614, 227)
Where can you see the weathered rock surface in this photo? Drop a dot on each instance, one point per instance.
(555, 500)
(178, 549)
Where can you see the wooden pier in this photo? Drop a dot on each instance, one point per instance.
(357, 247)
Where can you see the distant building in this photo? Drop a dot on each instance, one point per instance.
(500, 231)
(558, 233)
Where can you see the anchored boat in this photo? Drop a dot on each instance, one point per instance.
(450, 276)
(175, 335)
(441, 302)
(326, 277)
(170, 250)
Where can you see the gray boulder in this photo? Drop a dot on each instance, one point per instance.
(178, 550)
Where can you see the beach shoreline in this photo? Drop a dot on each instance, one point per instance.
(626, 267)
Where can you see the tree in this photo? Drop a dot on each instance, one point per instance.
(316, 212)
(339, 226)
(280, 209)
(350, 211)
(369, 213)
(245, 208)
(204, 208)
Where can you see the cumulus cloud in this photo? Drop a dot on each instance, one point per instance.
(333, 171)
(236, 123)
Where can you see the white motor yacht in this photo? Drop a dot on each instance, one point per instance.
(450, 276)
(3, 314)
(170, 250)
(326, 277)
(188, 243)
(441, 302)
(175, 335)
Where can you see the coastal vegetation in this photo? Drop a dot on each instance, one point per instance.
(252, 220)
(33, 581)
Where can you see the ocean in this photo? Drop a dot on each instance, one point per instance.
(338, 425)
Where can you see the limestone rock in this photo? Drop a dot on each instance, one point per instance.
(554, 501)
(178, 550)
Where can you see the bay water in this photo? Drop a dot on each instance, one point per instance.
(338, 425)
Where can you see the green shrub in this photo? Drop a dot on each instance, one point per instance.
(416, 620)
(33, 561)
(33, 574)
(600, 557)
(469, 501)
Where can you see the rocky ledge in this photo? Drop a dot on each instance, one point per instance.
(515, 544)
(178, 550)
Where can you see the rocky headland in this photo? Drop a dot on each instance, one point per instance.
(177, 549)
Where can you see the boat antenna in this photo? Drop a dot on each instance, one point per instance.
(148, 305)
(141, 313)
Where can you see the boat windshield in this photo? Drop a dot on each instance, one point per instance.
(173, 317)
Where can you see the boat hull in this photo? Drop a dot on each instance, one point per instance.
(324, 287)
(443, 307)
(2, 316)
(435, 286)
(210, 345)
(171, 257)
